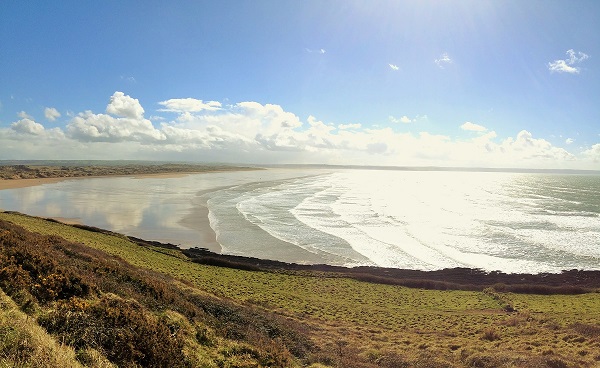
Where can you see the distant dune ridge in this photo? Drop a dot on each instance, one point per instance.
(77, 169)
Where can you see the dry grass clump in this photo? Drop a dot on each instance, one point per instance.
(24, 344)
(124, 330)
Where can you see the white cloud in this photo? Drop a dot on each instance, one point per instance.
(561, 66)
(27, 130)
(404, 119)
(394, 67)
(349, 126)
(24, 115)
(267, 133)
(123, 105)
(90, 127)
(529, 148)
(593, 153)
(189, 105)
(128, 79)
(317, 51)
(51, 113)
(473, 127)
(129, 125)
(566, 65)
(569, 140)
(443, 60)
(27, 126)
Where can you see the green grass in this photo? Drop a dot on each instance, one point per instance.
(327, 298)
(383, 325)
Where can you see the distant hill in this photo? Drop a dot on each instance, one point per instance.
(87, 168)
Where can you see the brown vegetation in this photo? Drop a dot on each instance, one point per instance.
(91, 300)
(104, 309)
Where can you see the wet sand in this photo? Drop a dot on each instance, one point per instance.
(23, 183)
(196, 220)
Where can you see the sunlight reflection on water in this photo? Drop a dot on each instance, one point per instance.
(409, 219)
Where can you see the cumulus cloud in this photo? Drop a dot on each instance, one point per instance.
(443, 60)
(90, 127)
(24, 115)
(270, 117)
(189, 105)
(123, 105)
(27, 126)
(51, 113)
(526, 146)
(349, 126)
(404, 119)
(569, 140)
(593, 153)
(260, 133)
(128, 125)
(566, 65)
(473, 127)
(394, 67)
(27, 130)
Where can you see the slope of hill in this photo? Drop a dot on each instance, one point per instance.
(94, 298)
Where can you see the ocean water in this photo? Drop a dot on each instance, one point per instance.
(513, 222)
(419, 219)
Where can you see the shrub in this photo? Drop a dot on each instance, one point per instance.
(123, 330)
(490, 334)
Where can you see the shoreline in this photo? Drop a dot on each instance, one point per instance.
(31, 182)
(567, 282)
(197, 220)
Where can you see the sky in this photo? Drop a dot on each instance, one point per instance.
(504, 84)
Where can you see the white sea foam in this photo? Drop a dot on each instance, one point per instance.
(432, 220)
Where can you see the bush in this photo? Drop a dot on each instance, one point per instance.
(490, 334)
(29, 262)
(123, 330)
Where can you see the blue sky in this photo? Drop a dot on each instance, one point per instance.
(444, 83)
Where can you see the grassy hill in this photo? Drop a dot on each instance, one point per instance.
(71, 297)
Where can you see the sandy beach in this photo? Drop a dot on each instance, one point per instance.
(22, 183)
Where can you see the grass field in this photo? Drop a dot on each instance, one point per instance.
(359, 324)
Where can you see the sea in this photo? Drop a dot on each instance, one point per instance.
(412, 219)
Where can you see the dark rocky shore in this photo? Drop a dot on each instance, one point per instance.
(566, 282)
